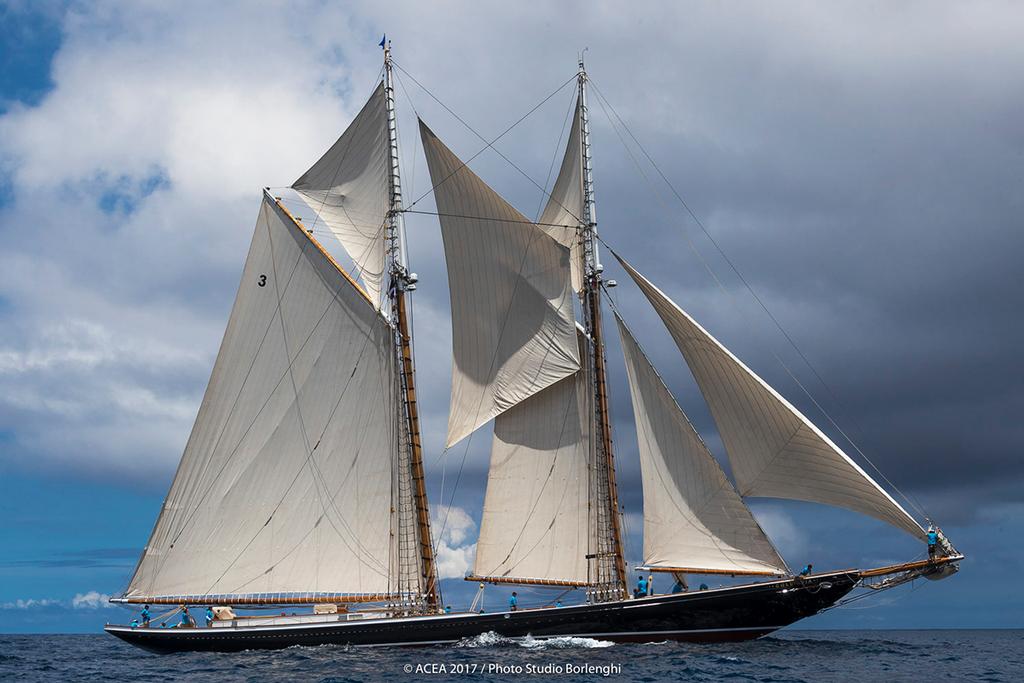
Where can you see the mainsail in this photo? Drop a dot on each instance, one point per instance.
(349, 192)
(693, 517)
(562, 217)
(774, 450)
(535, 525)
(513, 331)
(285, 485)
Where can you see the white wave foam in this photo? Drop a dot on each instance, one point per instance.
(492, 639)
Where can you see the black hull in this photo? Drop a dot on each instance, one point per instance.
(725, 614)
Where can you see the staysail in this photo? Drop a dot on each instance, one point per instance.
(535, 526)
(563, 213)
(285, 485)
(349, 192)
(513, 331)
(693, 517)
(774, 450)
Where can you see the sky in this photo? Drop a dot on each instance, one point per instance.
(861, 164)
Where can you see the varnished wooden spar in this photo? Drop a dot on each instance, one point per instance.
(527, 582)
(696, 570)
(260, 599)
(418, 478)
(911, 566)
(308, 235)
(605, 429)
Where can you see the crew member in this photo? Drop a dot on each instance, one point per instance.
(641, 586)
(209, 616)
(933, 542)
(186, 618)
(145, 616)
(513, 602)
(806, 571)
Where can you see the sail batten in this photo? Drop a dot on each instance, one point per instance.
(693, 517)
(513, 330)
(347, 189)
(285, 485)
(774, 450)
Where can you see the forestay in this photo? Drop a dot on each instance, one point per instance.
(563, 215)
(693, 517)
(513, 331)
(285, 485)
(349, 191)
(774, 450)
(535, 523)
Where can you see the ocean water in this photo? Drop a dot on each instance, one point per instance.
(791, 656)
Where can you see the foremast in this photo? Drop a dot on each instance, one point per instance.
(609, 581)
(417, 569)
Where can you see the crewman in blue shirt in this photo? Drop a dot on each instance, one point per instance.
(513, 602)
(806, 571)
(209, 616)
(447, 609)
(186, 619)
(933, 542)
(145, 616)
(641, 586)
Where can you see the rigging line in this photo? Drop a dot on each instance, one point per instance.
(493, 220)
(491, 143)
(408, 98)
(764, 307)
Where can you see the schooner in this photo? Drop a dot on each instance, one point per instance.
(302, 483)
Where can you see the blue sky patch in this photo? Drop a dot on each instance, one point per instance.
(32, 37)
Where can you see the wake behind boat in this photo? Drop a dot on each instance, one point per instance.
(302, 483)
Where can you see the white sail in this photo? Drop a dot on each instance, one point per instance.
(513, 331)
(285, 484)
(535, 523)
(348, 190)
(774, 450)
(565, 204)
(693, 517)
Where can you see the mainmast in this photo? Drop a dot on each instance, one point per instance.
(606, 522)
(415, 546)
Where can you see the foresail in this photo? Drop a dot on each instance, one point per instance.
(693, 517)
(513, 330)
(563, 214)
(285, 485)
(535, 525)
(349, 192)
(774, 450)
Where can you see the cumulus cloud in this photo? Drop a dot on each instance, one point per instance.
(82, 601)
(91, 600)
(452, 527)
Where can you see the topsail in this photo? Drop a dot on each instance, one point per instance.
(513, 331)
(348, 191)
